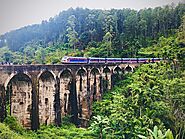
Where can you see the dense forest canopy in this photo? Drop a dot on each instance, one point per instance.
(146, 104)
(100, 33)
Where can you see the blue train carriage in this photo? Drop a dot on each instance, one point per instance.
(113, 60)
(129, 60)
(67, 59)
(125, 60)
(96, 60)
(157, 59)
(133, 60)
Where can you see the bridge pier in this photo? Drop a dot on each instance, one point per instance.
(73, 101)
(35, 108)
(57, 102)
(88, 94)
(101, 86)
(2, 103)
(82, 95)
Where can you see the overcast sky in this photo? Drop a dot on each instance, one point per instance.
(18, 13)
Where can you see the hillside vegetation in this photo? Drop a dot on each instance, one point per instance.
(11, 129)
(147, 104)
(85, 32)
(151, 97)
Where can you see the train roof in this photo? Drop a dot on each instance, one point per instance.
(96, 58)
(72, 57)
(65, 57)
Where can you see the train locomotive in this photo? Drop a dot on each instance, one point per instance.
(89, 60)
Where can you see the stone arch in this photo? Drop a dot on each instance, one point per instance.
(43, 71)
(12, 75)
(107, 79)
(46, 91)
(65, 91)
(106, 70)
(81, 88)
(117, 69)
(128, 68)
(117, 75)
(95, 84)
(8, 79)
(64, 71)
(95, 71)
(81, 70)
(81, 78)
(19, 94)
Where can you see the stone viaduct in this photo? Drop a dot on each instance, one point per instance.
(43, 94)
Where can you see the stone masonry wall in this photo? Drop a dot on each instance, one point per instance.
(46, 101)
(21, 102)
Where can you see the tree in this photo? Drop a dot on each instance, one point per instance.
(107, 39)
(181, 33)
(40, 55)
(100, 125)
(71, 33)
(181, 39)
(91, 25)
(29, 54)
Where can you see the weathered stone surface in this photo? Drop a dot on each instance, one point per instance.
(46, 99)
(76, 84)
(21, 101)
(65, 81)
(82, 98)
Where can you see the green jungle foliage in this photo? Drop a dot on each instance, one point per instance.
(147, 104)
(85, 32)
(11, 129)
(151, 97)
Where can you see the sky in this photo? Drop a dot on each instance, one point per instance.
(18, 13)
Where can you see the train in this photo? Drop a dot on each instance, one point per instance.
(89, 60)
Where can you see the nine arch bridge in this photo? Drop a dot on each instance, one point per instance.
(43, 94)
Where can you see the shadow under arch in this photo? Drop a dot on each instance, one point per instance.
(46, 91)
(81, 88)
(94, 85)
(117, 75)
(106, 70)
(117, 70)
(68, 95)
(95, 71)
(65, 73)
(65, 82)
(81, 74)
(107, 79)
(128, 68)
(45, 74)
(20, 99)
(81, 71)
